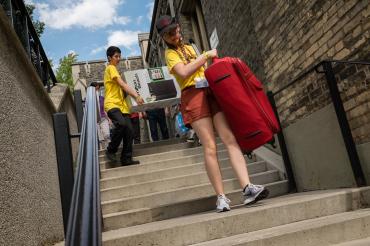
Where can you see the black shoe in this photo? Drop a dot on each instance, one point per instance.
(129, 162)
(110, 156)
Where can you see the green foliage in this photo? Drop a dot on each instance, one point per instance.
(64, 71)
(39, 26)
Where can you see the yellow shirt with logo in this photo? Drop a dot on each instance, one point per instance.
(114, 97)
(173, 57)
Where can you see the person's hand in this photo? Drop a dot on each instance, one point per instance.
(144, 115)
(139, 100)
(212, 53)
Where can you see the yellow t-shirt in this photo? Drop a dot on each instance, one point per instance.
(114, 97)
(174, 57)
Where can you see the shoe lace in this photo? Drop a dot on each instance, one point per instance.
(252, 188)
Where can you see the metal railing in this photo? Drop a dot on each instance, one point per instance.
(325, 67)
(22, 24)
(81, 207)
(84, 220)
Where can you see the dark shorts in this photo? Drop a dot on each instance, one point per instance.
(197, 104)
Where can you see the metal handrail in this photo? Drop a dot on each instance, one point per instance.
(84, 220)
(22, 24)
(327, 69)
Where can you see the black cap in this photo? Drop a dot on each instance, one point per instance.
(165, 24)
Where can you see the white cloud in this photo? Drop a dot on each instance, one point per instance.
(123, 38)
(139, 19)
(123, 20)
(83, 13)
(150, 7)
(127, 39)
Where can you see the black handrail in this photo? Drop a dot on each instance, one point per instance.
(22, 24)
(327, 69)
(84, 220)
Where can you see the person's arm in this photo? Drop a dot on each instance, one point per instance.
(129, 90)
(185, 71)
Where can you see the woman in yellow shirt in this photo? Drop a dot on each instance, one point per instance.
(201, 111)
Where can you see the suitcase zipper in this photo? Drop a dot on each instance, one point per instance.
(253, 134)
(267, 118)
(218, 80)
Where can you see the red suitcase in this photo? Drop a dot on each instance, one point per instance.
(242, 99)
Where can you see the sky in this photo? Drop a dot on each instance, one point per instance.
(88, 27)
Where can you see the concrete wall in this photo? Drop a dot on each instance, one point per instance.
(317, 152)
(30, 209)
(363, 151)
(63, 101)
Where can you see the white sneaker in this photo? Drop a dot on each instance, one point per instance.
(222, 204)
(254, 193)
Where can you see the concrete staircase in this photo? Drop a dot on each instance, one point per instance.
(168, 200)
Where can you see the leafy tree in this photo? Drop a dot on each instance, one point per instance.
(39, 26)
(64, 71)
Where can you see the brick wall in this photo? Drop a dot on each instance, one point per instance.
(235, 30)
(280, 39)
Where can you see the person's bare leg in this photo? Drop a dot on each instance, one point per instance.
(236, 156)
(204, 130)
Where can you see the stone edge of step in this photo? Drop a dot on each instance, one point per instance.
(237, 191)
(291, 228)
(199, 218)
(186, 188)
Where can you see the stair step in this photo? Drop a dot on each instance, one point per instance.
(160, 184)
(182, 194)
(145, 215)
(164, 155)
(159, 143)
(156, 144)
(161, 149)
(266, 214)
(358, 242)
(168, 173)
(319, 231)
(156, 165)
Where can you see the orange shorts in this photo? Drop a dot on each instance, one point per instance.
(197, 104)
